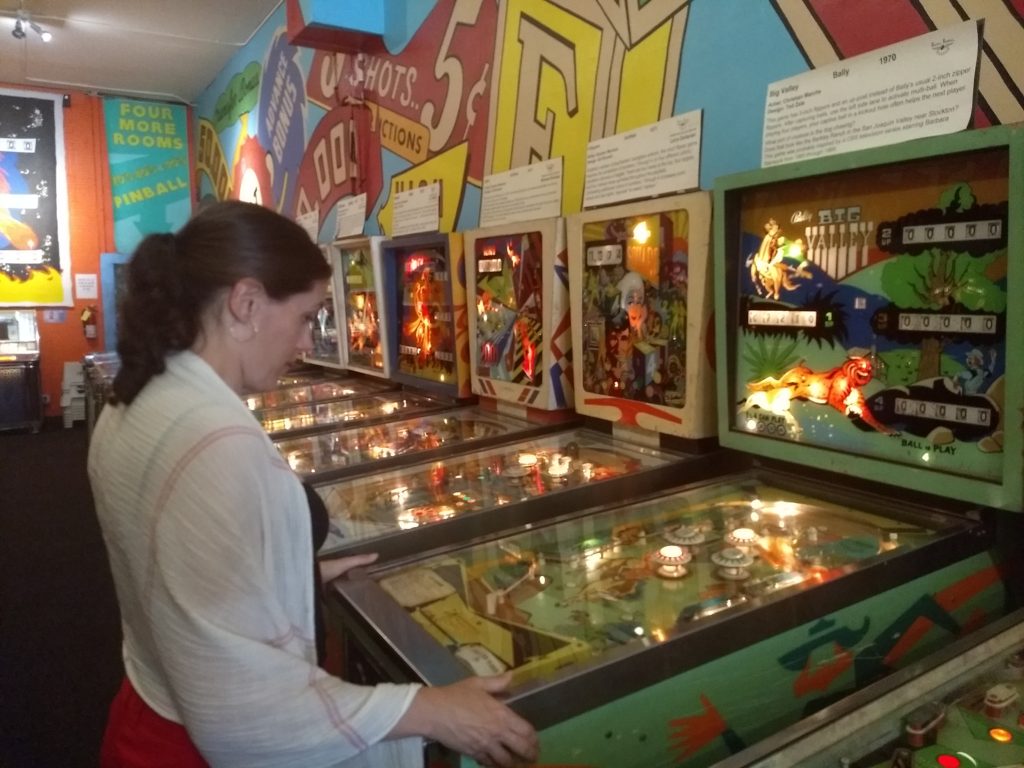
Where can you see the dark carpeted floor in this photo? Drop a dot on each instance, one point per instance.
(60, 655)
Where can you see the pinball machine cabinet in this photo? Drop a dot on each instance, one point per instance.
(21, 398)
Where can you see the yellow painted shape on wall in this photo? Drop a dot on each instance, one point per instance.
(211, 161)
(570, 129)
(643, 80)
(449, 168)
(397, 133)
(43, 287)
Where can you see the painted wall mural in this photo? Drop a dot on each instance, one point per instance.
(829, 30)
(479, 87)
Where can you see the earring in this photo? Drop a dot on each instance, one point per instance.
(255, 329)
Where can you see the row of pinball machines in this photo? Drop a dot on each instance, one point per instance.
(660, 603)
(483, 321)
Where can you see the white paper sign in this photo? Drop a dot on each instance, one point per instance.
(310, 221)
(86, 286)
(351, 216)
(417, 210)
(920, 87)
(529, 192)
(658, 159)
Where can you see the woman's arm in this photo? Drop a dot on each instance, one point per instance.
(332, 568)
(468, 717)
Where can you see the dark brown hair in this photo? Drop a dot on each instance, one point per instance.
(173, 278)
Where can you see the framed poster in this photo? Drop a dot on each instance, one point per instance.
(34, 255)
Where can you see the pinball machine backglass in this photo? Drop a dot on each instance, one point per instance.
(426, 305)
(868, 302)
(366, 337)
(518, 288)
(641, 314)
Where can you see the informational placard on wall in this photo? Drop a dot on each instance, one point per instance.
(417, 210)
(86, 286)
(920, 87)
(351, 216)
(529, 192)
(658, 159)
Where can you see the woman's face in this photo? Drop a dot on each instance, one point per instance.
(285, 331)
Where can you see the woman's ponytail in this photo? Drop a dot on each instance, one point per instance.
(155, 317)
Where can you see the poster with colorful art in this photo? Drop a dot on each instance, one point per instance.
(34, 267)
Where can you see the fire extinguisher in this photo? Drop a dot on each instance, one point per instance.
(89, 317)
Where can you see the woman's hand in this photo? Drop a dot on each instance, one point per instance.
(467, 717)
(338, 566)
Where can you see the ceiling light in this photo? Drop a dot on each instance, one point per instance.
(43, 33)
(24, 20)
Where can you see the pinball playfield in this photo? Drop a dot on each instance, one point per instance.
(613, 620)
(427, 505)
(358, 449)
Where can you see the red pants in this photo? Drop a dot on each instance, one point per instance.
(137, 737)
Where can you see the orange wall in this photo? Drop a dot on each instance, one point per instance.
(90, 221)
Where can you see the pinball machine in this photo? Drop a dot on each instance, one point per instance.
(342, 453)
(99, 369)
(420, 293)
(309, 384)
(872, 526)
(313, 399)
(325, 413)
(362, 347)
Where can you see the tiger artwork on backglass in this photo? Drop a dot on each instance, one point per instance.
(872, 311)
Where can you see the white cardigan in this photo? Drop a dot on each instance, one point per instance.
(208, 534)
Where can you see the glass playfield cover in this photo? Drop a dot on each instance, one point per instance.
(591, 594)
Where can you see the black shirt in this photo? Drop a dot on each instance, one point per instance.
(320, 521)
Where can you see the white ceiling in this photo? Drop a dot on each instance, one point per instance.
(158, 49)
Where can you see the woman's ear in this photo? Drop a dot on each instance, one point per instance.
(245, 299)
